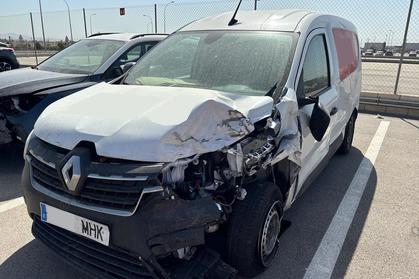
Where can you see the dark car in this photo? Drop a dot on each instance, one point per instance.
(25, 93)
(369, 52)
(8, 59)
(412, 53)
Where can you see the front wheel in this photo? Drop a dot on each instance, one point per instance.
(254, 228)
(7, 65)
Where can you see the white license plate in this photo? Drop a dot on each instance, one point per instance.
(76, 224)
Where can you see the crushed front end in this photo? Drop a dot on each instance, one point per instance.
(151, 226)
(169, 212)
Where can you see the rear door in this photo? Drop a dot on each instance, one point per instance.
(315, 80)
(348, 82)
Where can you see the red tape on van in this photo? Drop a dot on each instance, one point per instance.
(347, 50)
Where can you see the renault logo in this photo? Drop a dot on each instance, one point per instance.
(71, 172)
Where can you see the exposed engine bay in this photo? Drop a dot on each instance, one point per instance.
(225, 175)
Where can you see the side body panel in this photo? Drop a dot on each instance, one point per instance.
(343, 94)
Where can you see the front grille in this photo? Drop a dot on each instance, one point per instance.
(45, 175)
(111, 194)
(100, 261)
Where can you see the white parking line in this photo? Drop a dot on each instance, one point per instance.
(11, 204)
(327, 253)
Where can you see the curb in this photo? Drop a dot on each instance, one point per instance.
(391, 104)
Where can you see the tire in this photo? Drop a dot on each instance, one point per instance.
(346, 145)
(5, 65)
(249, 229)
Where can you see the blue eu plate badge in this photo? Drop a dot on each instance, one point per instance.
(43, 212)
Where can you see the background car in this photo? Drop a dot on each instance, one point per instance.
(4, 44)
(8, 59)
(369, 52)
(412, 54)
(25, 93)
(379, 53)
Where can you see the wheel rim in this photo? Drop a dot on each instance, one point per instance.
(270, 234)
(4, 66)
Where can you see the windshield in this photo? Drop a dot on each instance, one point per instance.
(245, 62)
(83, 57)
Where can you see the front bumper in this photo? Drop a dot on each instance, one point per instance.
(157, 228)
(93, 258)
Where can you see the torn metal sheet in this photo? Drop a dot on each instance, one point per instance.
(5, 135)
(151, 123)
(290, 144)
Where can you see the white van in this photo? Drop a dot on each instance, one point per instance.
(211, 135)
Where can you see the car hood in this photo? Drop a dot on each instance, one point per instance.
(151, 123)
(28, 80)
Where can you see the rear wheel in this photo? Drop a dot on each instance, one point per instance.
(349, 136)
(254, 228)
(5, 65)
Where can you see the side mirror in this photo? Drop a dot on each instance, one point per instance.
(127, 66)
(319, 122)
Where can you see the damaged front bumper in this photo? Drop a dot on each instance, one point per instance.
(6, 135)
(138, 243)
(14, 127)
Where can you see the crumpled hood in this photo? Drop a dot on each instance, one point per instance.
(151, 123)
(28, 80)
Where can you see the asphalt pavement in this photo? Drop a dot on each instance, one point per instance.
(381, 239)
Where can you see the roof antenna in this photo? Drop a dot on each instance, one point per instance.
(233, 20)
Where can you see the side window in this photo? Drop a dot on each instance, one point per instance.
(315, 75)
(148, 46)
(131, 55)
(136, 52)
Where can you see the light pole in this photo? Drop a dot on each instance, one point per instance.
(390, 37)
(151, 21)
(164, 14)
(42, 24)
(69, 20)
(91, 29)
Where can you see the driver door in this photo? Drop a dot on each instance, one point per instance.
(314, 81)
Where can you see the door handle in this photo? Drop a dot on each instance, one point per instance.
(333, 111)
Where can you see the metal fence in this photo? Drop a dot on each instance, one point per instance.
(388, 55)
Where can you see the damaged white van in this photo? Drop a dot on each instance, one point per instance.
(183, 168)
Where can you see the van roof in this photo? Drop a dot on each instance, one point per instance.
(279, 20)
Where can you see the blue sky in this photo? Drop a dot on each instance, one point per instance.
(374, 18)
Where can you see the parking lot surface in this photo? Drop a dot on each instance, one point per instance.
(382, 239)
